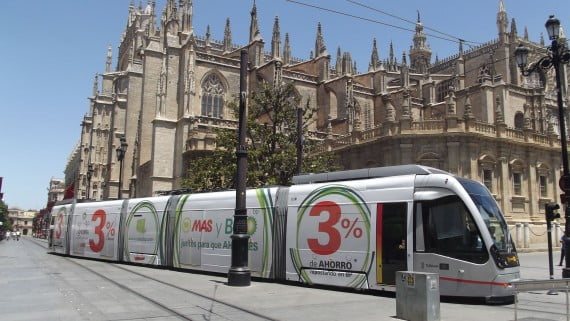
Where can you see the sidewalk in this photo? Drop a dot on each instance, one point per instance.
(40, 286)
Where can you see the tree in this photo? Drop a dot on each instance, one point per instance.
(6, 224)
(271, 140)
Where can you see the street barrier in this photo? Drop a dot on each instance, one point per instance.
(552, 285)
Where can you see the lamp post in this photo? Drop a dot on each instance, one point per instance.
(121, 151)
(557, 54)
(239, 273)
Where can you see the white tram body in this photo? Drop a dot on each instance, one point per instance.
(349, 229)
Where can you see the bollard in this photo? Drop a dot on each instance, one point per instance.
(417, 296)
(526, 233)
(518, 235)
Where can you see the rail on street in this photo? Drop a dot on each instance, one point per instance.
(36, 285)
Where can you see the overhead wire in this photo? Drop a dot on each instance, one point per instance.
(409, 21)
(369, 20)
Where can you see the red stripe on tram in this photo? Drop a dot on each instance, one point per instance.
(474, 282)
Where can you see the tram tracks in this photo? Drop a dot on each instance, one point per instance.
(188, 304)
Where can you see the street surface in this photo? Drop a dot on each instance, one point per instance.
(35, 285)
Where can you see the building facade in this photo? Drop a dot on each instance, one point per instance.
(21, 220)
(472, 114)
(56, 192)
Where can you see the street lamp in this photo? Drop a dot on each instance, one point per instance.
(557, 54)
(121, 151)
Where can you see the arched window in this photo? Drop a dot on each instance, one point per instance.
(213, 97)
(487, 171)
(519, 120)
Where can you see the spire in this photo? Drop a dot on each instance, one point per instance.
(96, 85)
(514, 27)
(338, 65)
(150, 10)
(287, 50)
(171, 10)
(502, 21)
(276, 40)
(186, 11)
(320, 48)
(420, 53)
(392, 59)
(404, 61)
(542, 39)
(525, 33)
(227, 36)
(347, 64)
(374, 58)
(208, 36)
(109, 59)
(501, 6)
(254, 33)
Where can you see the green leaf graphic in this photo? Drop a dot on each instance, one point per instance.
(141, 225)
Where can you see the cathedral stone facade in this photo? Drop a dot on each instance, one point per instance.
(472, 114)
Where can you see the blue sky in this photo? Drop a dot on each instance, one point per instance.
(51, 50)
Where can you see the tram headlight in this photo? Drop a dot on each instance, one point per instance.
(504, 259)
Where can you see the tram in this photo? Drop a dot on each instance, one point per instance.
(351, 229)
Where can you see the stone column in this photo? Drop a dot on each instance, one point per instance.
(519, 235)
(472, 152)
(533, 192)
(504, 186)
(406, 155)
(453, 157)
(526, 234)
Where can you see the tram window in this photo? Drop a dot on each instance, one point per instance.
(449, 230)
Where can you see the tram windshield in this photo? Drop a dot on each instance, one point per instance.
(493, 218)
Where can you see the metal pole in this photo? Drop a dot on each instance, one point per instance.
(549, 233)
(120, 179)
(239, 273)
(563, 141)
(89, 166)
(299, 140)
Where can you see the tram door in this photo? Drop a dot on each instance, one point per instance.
(391, 234)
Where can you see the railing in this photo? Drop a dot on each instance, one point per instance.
(514, 133)
(485, 128)
(429, 125)
(438, 126)
(551, 286)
